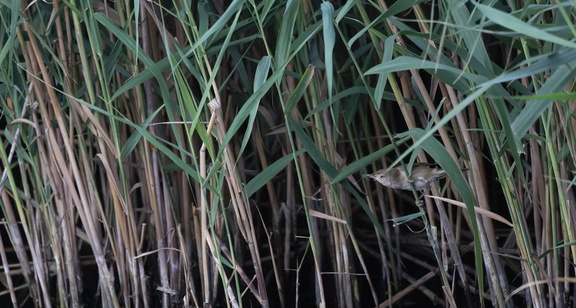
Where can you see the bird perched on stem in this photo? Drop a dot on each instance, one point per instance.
(421, 176)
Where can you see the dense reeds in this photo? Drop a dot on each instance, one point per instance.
(174, 153)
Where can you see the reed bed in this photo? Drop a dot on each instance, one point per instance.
(210, 154)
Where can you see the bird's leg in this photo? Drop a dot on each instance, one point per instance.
(420, 201)
(409, 178)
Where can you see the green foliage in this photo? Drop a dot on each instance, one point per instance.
(212, 154)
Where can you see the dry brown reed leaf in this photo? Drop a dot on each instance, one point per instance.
(478, 210)
(320, 215)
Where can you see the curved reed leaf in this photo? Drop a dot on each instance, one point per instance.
(267, 174)
(518, 26)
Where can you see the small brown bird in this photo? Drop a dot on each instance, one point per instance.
(422, 175)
